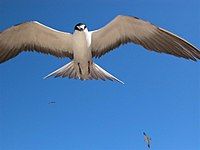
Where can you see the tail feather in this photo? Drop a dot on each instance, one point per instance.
(65, 71)
(71, 71)
(98, 73)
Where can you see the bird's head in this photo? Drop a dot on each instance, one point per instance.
(80, 27)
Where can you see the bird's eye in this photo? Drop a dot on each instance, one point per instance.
(77, 28)
(85, 27)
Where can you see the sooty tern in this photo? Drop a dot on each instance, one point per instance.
(83, 45)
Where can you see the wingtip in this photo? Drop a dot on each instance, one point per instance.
(148, 146)
(120, 81)
(47, 76)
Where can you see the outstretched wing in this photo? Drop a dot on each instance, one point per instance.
(31, 36)
(124, 29)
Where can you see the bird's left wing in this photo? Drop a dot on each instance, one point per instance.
(124, 29)
(31, 36)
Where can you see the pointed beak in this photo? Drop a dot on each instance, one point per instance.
(81, 29)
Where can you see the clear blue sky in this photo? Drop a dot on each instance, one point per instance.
(161, 93)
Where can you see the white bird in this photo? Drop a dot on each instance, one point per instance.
(147, 139)
(83, 45)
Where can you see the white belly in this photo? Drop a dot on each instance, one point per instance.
(82, 53)
(80, 47)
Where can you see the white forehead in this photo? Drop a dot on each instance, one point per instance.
(82, 26)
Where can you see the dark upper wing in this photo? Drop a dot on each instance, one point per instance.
(34, 36)
(124, 29)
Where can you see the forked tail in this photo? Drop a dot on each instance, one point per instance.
(72, 70)
(98, 73)
(67, 70)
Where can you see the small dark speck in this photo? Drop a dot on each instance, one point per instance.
(52, 102)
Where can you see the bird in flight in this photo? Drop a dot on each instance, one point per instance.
(84, 45)
(147, 139)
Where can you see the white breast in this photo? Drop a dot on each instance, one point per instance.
(88, 38)
(81, 39)
(81, 44)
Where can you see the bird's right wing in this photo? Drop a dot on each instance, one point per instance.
(125, 29)
(31, 36)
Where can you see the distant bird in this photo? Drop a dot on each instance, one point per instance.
(52, 102)
(83, 45)
(147, 139)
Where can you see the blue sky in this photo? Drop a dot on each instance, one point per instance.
(160, 95)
